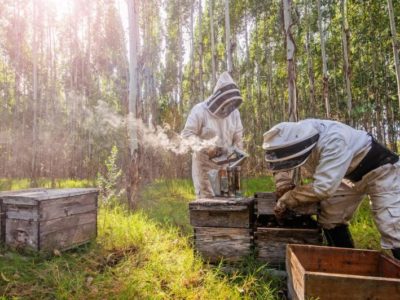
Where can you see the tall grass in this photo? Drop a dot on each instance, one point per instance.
(142, 255)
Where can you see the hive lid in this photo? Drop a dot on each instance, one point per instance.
(32, 196)
(228, 204)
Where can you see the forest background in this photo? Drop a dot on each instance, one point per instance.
(70, 71)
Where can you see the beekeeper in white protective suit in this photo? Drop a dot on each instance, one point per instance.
(218, 120)
(346, 164)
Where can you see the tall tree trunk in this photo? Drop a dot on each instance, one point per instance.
(347, 71)
(291, 66)
(35, 95)
(201, 52)
(192, 65)
(180, 59)
(133, 173)
(395, 46)
(324, 63)
(228, 47)
(214, 76)
(311, 76)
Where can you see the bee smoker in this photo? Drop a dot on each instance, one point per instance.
(227, 182)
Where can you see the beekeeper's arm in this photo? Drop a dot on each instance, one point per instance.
(335, 159)
(192, 132)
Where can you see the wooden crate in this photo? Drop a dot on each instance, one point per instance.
(3, 213)
(338, 273)
(50, 219)
(223, 228)
(222, 212)
(270, 242)
(216, 243)
(264, 204)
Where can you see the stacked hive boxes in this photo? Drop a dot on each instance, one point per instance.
(230, 228)
(271, 236)
(223, 228)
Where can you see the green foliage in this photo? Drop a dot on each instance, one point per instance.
(110, 192)
(363, 228)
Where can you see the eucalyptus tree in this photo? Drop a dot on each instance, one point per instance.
(395, 45)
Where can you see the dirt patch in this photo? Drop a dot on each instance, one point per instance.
(114, 257)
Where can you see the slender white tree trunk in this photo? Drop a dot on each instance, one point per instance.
(132, 101)
(290, 50)
(345, 41)
(395, 46)
(311, 76)
(201, 51)
(192, 65)
(35, 95)
(214, 76)
(324, 63)
(228, 46)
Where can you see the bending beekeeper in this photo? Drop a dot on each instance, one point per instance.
(346, 164)
(216, 121)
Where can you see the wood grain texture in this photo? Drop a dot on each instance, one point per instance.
(224, 204)
(56, 219)
(236, 213)
(230, 244)
(73, 221)
(336, 273)
(22, 234)
(62, 207)
(68, 237)
(270, 243)
(265, 203)
(32, 197)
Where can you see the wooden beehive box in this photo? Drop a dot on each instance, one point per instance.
(316, 272)
(51, 218)
(3, 213)
(264, 203)
(223, 228)
(271, 236)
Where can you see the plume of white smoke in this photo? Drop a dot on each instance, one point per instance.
(104, 118)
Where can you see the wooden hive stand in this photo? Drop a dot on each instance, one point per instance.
(223, 228)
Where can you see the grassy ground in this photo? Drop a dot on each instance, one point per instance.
(147, 255)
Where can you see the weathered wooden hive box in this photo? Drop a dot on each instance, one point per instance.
(316, 272)
(271, 236)
(223, 228)
(49, 219)
(3, 213)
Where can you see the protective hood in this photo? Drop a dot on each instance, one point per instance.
(288, 145)
(226, 97)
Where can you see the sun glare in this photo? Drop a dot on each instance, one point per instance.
(61, 7)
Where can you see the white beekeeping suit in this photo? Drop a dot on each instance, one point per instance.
(345, 164)
(216, 119)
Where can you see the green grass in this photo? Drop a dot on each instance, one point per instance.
(148, 255)
(7, 184)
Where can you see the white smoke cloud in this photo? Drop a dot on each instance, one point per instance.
(104, 118)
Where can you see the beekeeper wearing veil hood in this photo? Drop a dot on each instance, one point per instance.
(217, 121)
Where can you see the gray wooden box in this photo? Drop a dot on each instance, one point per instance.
(48, 219)
(271, 237)
(223, 228)
(222, 212)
